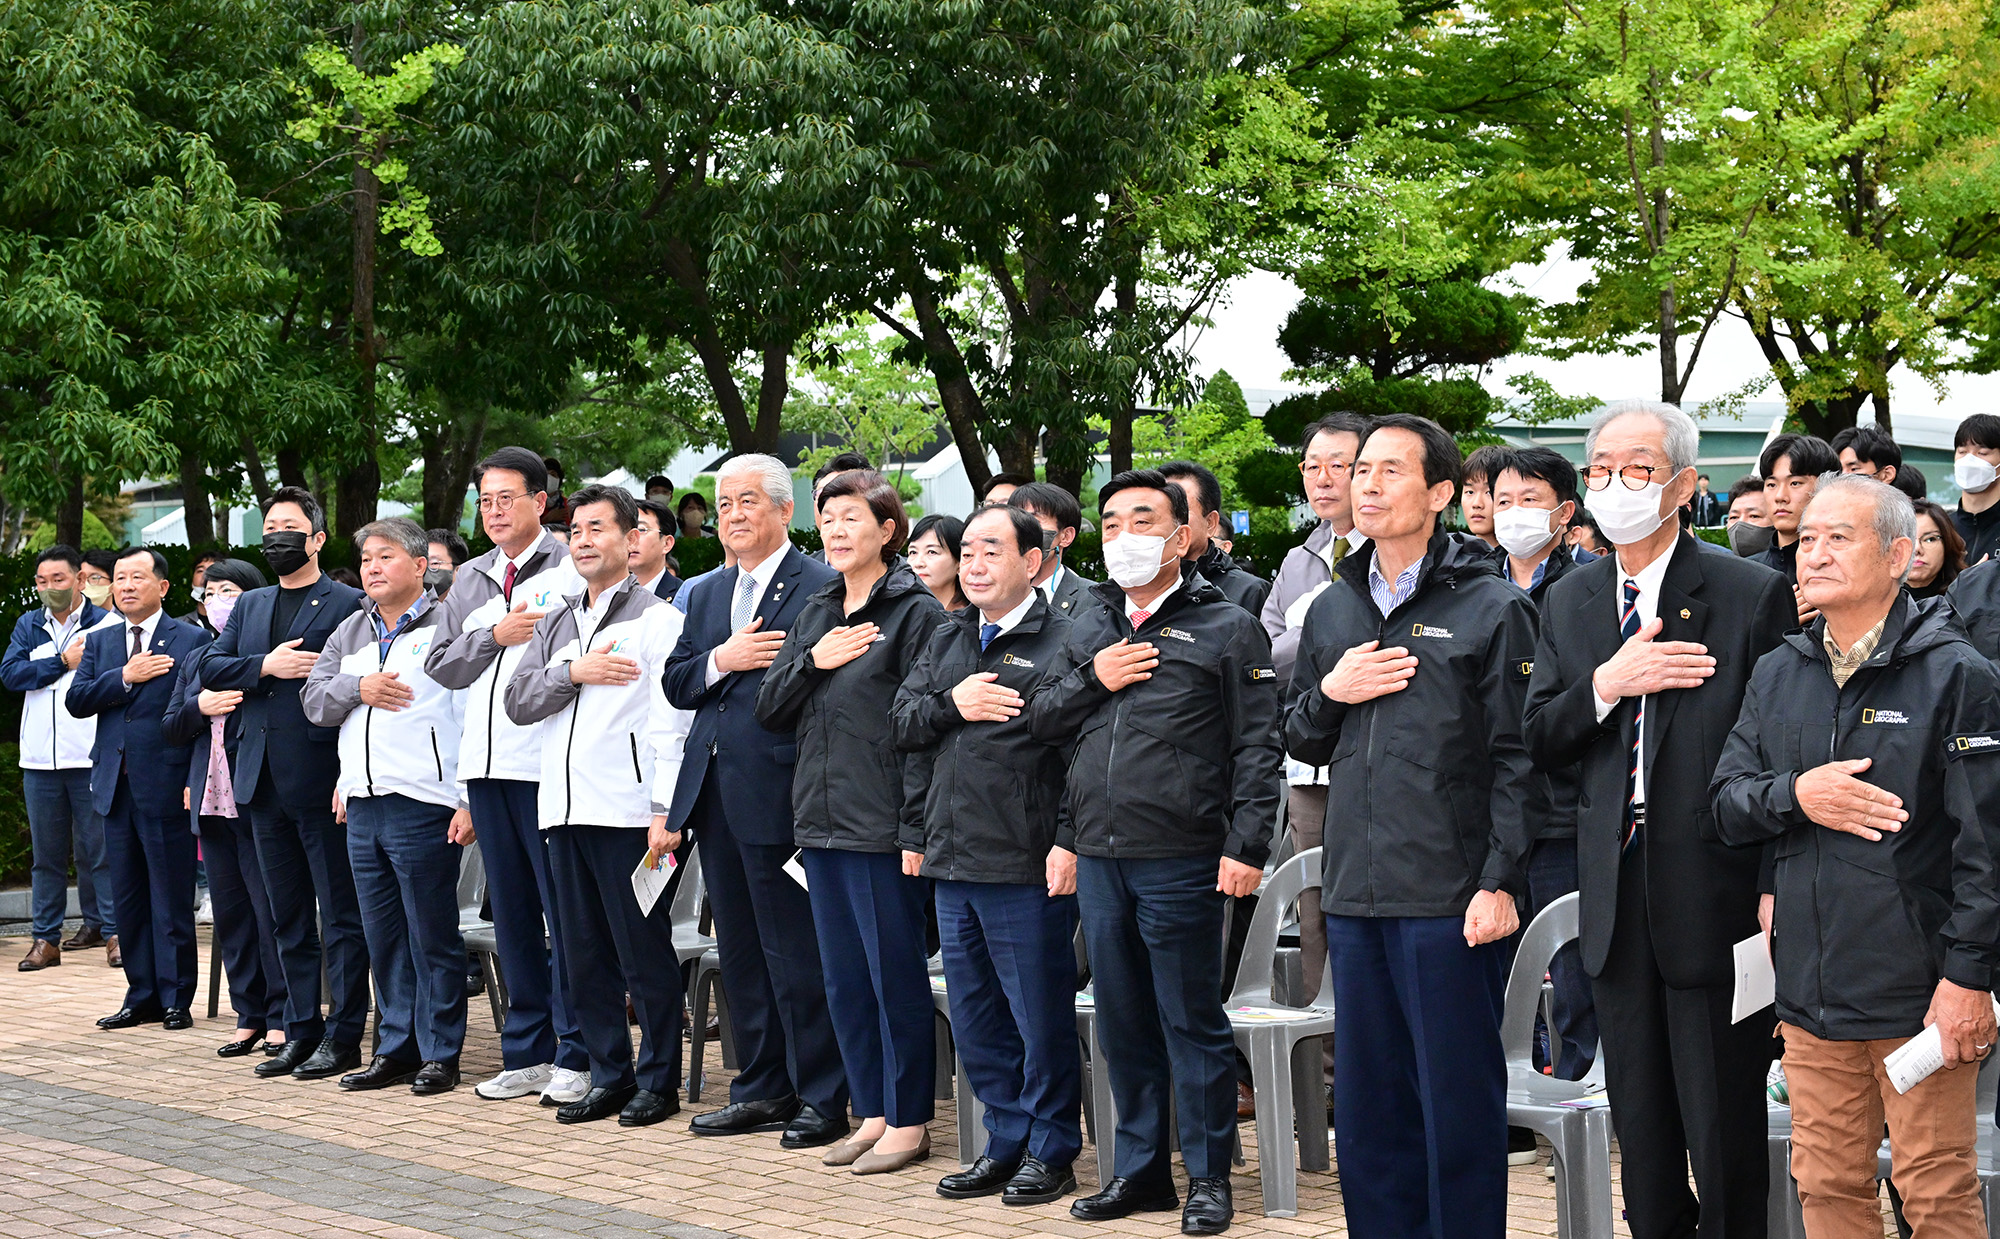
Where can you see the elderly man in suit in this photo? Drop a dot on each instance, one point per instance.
(285, 773)
(126, 681)
(1638, 677)
(735, 794)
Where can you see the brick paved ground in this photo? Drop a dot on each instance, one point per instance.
(148, 1132)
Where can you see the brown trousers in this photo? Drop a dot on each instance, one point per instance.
(1841, 1096)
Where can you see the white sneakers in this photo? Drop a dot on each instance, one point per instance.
(565, 1086)
(516, 1083)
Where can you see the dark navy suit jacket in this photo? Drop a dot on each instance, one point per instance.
(753, 764)
(129, 732)
(305, 760)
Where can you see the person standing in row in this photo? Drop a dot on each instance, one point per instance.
(1061, 518)
(1791, 466)
(1975, 467)
(482, 631)
(126, 681)
(735, 794)
(652, 543)
(1204, 495)
(982, 817)
(833, 684)
(1167, 693)
(399, 733)
(40, 664)
(611, 751)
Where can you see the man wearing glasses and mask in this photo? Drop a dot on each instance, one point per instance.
(1061, 518)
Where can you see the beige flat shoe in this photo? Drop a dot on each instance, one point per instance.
(846, 1152)
(883, 1163)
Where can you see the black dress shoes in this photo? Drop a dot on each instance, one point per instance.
(1038, 1183)
(126, 1017)
(811, 1129)
(598, 1103)
(332, 1058)
(237, 1049)
(1209, 1207)
(742, 1117)
(176, 1019)
(434, 1078)
(1125, 1197)
(986, 1177)
(648, 1107)
(381, 1072)
(289, 1055)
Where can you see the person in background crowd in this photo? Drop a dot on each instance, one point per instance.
(245, 933)
(1061, 518)
(1886, 915)
(95, 578)
(405, 824)
(1940, 553)
(1975, 600)
(447, 551)
(346, 576)
(480, 640)
(1976, 449)
(1869, 451)
(736, 795)
(126, 680)
(841, 463)
(693, 514)
(1911, 481)
(1792, 466)
(660, 489)
(1542, 499)
(1639, 673)
(934, 544)
(1584, 535)
(1000, 487)
(1171, 819)
(1204, 495)
(982, 816)
(1746, 502)
(652, 542)
(555, 517)
(40, 664)
(1475, 501)
(284, 776)
(197, 589)
(1706, 507)
(834, 680)
(611, 752)
(1420, 1110)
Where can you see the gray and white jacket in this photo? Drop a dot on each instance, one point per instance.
(610, 754)
(1301, 578)
(466, 657)
(408, 752)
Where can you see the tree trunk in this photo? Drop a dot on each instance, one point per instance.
(69, 516)
(253, 468)
(1068, 476)
(361, 485)
(448, 460)
(1118, 442)
(772, 387)
(964, 411)
(1017, 452)
(196, 512)
(292, 469)
(1882, 413)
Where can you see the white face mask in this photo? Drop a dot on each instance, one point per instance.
(1974, 473)
(1523, 531)
(1133, 559)
(1626, 515)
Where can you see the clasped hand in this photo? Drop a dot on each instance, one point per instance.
(748, 649)
(1118, 666)
(980, 700)
(601, 666)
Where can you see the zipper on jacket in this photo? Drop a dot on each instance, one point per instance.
(437, 756)
(634, 738)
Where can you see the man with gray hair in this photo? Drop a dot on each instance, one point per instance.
(1868, 749)
(1640, 672)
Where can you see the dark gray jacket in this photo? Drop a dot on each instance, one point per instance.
(1975, 600)
(1245, 589)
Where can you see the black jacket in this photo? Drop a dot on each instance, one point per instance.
(1566, 784)
(847, 784)
(1981, 531)
(1784, 559)
(1185, 763)
(982, 801)
(1863, 930)
(1975, 600)
(1430, 793)
(1245, 589)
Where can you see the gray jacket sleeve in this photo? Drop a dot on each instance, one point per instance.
(329, 694)
(457, 657)
(537, 689)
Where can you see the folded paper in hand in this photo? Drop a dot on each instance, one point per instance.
(1909, 1063)
(649, 880)
(1756, 980)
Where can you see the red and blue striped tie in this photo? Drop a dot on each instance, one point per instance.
(1628, 627)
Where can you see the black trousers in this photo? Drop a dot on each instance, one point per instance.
(1687, 1088)
(311, 886)
(243, 929)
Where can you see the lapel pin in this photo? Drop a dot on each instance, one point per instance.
(1686, 614)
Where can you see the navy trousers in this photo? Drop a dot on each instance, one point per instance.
(770, 967)
(541, 1027)
(61, 824)
(1154, 929)
(311, 885)
(1573, 1041)
(1420, 1084)
(1010, 974)
(151, 858)
(406, 877)
(243, 929)
(614, 953)
(870, 919)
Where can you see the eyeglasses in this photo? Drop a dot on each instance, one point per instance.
(1635, 477)
(500, 503)
(1323, 468)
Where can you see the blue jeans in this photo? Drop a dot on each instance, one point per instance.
(406, 878)
(61, 821)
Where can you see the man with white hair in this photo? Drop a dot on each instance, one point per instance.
(1638, 676)
(735, 794)
(1869, 751)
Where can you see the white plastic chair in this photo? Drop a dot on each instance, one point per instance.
(695, 952)
(481, 944)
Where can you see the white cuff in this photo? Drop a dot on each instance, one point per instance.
(1604, 708)
(715, 673)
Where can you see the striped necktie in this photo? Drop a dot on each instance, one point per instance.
(1628, 627)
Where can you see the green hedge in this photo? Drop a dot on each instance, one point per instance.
(14, 846)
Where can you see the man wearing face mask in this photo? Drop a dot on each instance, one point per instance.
(448, 551)
(1976, 444)
(285, 773)
(96, 579)
(1167, 692)
(1204, 495)
(1749, 526)
(196, 590)
(1061, 517)
(1638, 678)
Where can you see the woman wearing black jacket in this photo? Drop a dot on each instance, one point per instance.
(834, 683)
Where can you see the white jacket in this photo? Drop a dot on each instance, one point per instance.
(51, 737)
(408, 752)
(610, 754)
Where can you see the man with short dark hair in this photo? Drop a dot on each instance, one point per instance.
(1791, 467)
(125, 679)
(652, 543)
(1000, 487)
(1204, 495)
(1976, 469)
(1869, 451)
(196, 583)
(841, 462)
(1061, 518)
(660, 490)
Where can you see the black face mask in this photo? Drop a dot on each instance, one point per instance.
(438, 581)
(285, 550)
(1748, 540)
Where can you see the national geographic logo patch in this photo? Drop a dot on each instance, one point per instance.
(1429, 630)
(1525, 668)
(1972, 744)
(1885, 716)
(1015, 660)
(1263, 673)
(1178, 634)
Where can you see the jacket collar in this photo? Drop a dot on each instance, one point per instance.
(1449, 559)
(1195, 590)
(970, 619)
(315, 592)
(1913, 626)
(900, 579)
(418, 609)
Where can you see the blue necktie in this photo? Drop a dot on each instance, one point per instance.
(1628, 627)
(986, 634)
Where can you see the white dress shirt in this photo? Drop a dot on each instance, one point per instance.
(762, 574)
(1650, 578)
(1048, 587)
(1153, 607)
(1012, 619)
(147, 627)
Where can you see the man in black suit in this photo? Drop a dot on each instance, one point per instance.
(285, 773)
(125, 679)
(1639, 677)
(1067, 594)
(735, 794)
(652, 543)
